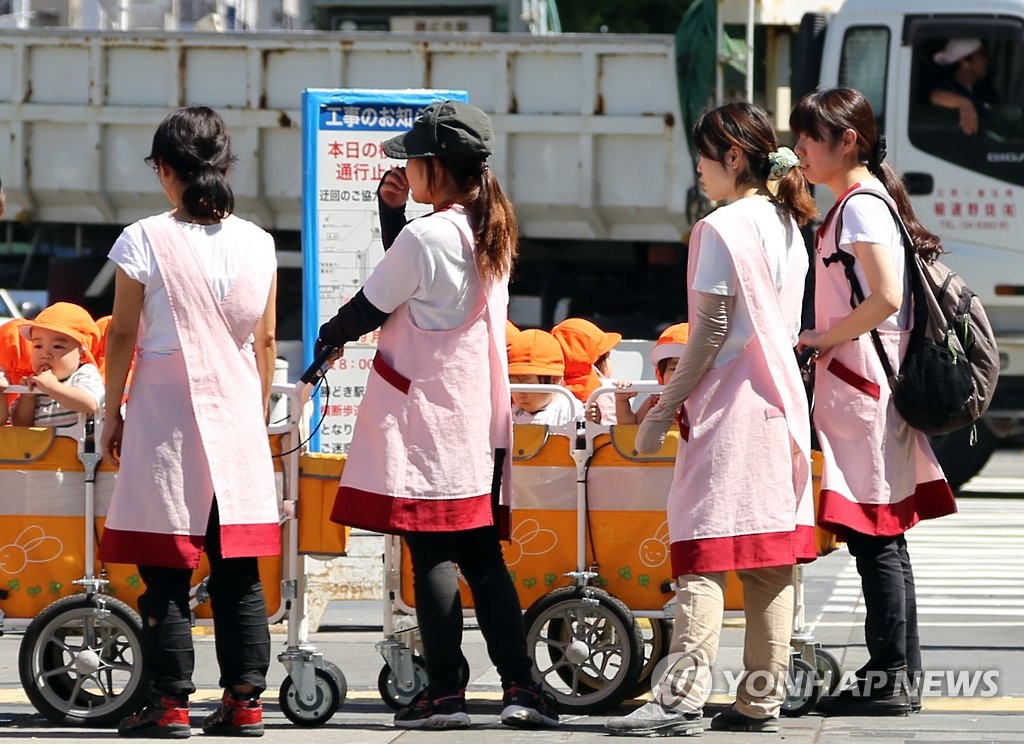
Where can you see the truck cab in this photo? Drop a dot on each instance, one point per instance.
(967, 187)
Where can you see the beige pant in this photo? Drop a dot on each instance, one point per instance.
(768, 595)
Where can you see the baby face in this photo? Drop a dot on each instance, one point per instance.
(55, 352)
(530, 402)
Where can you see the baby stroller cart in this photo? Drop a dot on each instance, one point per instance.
(80, 658)
(579, 635)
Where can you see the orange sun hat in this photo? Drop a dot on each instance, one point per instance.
(583, 343)
(535, 352)
(71, 320)
(15, 351)
(671, 342)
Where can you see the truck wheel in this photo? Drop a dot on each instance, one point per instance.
(81, 661)
(960, 460)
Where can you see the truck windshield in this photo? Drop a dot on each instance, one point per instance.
(967, 93)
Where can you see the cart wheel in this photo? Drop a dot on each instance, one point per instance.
(326, 700)
(803, 689)
(828, 669)
(397, 698)
(657, 634)
(81, 661)
(594, 648)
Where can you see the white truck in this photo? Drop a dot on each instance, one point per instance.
(590, 142)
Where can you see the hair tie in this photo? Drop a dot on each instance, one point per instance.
(782, 161)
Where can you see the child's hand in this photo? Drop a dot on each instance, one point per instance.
(45, 380)
(623, 385)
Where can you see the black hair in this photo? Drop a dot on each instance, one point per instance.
(194, 143)
(747, 127)
(827, 114)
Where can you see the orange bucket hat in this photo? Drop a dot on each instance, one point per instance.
(583, 343)
(535, 352)
(671, 342)
(15, 351)
(71, 320)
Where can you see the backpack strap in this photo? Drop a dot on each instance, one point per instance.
(848, 262)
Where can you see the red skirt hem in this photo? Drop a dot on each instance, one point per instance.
(741, 552)
(184, 551)
(839, 514)
(394, 514)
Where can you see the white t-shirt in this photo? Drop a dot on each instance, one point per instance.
(558, 412)
(780, 239)
(866, 219)
(222, 249)
(431, 268)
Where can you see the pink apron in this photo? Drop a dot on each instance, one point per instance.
(880, 476)
(741, 492)
(194, 424)
(436, 409)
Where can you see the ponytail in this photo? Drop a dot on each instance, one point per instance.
(791, 192)
(927, 245)
(490, 213)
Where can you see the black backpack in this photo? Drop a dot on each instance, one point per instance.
(951, 366)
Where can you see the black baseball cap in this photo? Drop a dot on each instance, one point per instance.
(444, 129)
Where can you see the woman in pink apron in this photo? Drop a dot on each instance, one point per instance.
(195, 294)
(741, 494)
(428, 455)
(880, 476)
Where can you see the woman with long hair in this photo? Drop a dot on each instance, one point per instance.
(880, 476)
(741, 493)
(429, 455)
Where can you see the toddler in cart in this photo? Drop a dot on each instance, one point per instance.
(535, 358)
(65, 381)
(664, 356)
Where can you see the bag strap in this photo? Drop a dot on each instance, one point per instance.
(848, 261)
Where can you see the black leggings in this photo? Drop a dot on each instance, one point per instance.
(439, 607)
(241, 632)
(890, 601)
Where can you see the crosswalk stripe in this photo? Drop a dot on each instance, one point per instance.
(967, 565)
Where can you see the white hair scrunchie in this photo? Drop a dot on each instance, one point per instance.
(782, 161)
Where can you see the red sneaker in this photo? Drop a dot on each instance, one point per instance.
(235, 717)
(161, 718)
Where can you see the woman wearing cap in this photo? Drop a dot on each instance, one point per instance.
(964, 85)
(428, 455)
(740, 498)
(587, 350)
(195, 292)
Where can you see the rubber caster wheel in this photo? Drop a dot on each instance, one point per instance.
(393, 694)
(327, 698)
(587, 650)
(80, 661)
(803, 689)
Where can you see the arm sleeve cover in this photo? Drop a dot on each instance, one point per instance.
(706, 338)
(354, 318)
